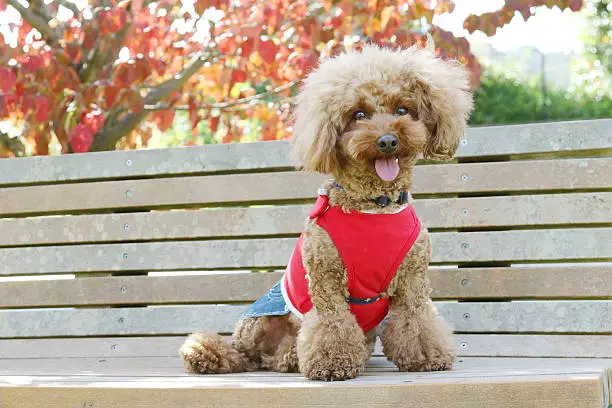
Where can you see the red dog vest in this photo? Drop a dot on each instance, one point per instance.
(372, 247)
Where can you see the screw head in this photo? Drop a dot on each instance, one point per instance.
(465, 282)
(465, 245)
(464, 211)
(128, 162)
(128, 193)
(464, 177)
(464, 142)
(123, 289)
(114, 347)
(121, 320)
(463, 345)
(126, 226)
(466, 316)
(124, 256)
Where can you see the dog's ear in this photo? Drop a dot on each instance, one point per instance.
(314, 139)
(445, 103)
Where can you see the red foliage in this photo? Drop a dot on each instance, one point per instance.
(101, 70)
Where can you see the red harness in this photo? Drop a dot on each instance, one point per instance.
(372, 247)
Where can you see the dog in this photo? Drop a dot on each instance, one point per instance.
(364, 117)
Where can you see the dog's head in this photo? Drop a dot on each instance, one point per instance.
(375, 111)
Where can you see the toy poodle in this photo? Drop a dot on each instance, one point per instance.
(363, 117)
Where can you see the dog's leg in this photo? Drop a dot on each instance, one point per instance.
(415, 338)
(209, 353)
(331, 346)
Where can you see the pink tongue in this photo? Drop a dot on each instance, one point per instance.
(387, 169)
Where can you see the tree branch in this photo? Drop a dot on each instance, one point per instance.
(102, 56)
(111, 133)
(36, 21)
(70, 6)
(229, 104)
(12, 144)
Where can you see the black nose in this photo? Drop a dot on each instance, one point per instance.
(387, 143)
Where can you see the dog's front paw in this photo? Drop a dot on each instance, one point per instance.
(325, 367)
(331, 349)
(435, 360)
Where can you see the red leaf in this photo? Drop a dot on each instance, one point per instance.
(43, 108)
(8, 78)
(94, 120)
(227, 44)
(247, 47)
(112, 20)
(3, 106)
(42, 142)
(81, 138)
(213, 123)
(110, 93)
(163, 119)
(576, 5)
(237, 76)
(74, 52)
(267, 50)
(2, 5)
(201, 5)
(194, 115)
(31, 63)
(135, 101)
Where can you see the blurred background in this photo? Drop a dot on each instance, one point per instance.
(78, 76)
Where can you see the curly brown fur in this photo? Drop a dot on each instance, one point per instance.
(331, 345)
(415, 338)
(424, 102)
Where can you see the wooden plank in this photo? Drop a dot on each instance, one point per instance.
(555, 391)
(522, 210)
(463, 283)
(571, 137)
(468, 345)
(556, 137)
(540, 345)
(378, 369)
(541, 175)
(467, 317)
(448, 247)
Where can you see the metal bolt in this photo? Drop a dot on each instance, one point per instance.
(123, 289)
(128, 193)
(126, 226)
(466, 316)
(464, 177)
(121, 320)
(114, 347)
(464, 211)
(465, 282)
(128, 162)
(463, 345)
(464, 142)
(465, 245)
(124, 256)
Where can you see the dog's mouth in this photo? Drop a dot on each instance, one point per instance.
(387, 168)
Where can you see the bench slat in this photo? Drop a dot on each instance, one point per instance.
(546, 209)
(503, 391)
(477, 317)
(569, 137)
(448, 247)
(542, 175)
(463, 283)
(475, 345)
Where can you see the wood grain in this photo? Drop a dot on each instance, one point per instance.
(561, 137)
(477, 212)
(539, 175)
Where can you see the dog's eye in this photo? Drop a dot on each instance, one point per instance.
(401, 111)
(359, 115)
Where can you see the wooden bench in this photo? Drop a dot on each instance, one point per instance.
(128, 251)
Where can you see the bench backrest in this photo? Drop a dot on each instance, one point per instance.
(124, 252)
